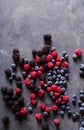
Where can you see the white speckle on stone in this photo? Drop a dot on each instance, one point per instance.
(4, 52)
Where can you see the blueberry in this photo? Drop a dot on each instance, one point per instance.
(81, 73)
(49, 83)
(63, 89)
(51, 93)
(58, 71)
(82, 67)
(48, 74)
(81, 96)
(62, 113)
(74, 96)
(45, 86)
(78, 115)
(66, 70)
(63, 107)
(64, 53)
(53, 48)
(49, 78)
(54, 72)
(13, 75)
(81, 128)
(53, 98)
(63, 59)
(56, 68)
(74, 101)
(26, 61)
(24, 74)
(57, 82)
(67, 76)
(66, 57)
(79, 103)
(18, 78)
(82, 124)
(82, 104)
(62, 72)
(45, 114)
(30, 109)
(69, 113)
(54, 77)
(13, 66)
(65, 83)
(75, 57)
(53, 60)
(10, 79)
(81, 92)
(36, 68)
(81, 111)
(61, 82)
(68, 108)
(74, 117)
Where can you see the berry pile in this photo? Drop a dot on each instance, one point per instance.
(51, 71)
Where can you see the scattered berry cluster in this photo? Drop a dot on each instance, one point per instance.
(52, 71)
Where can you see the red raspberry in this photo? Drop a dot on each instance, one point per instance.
(37, 59)
(24, 111)
(33, 74)
(59, 89)
(48, 89)
(34, 102)
(42, 106)
(48, 109)
(78, 52)
(42, 83)
(56, 94)
(41, 68)
(49, 57)
(54, 108)
(18, 90)
(66, 98)
(53, 87)
(39, 73)
(58, 100)
(38, 116)
(26, 67)
(58, 63)
(50, 65)
(59, 59)
(27, 81)
(56, 122)
(41, 92)
(32, 96)
(65, 64)
(54, 54)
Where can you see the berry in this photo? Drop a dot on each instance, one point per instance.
(24, 111)
(38, 116)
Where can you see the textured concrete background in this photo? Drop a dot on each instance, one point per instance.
(22, 25)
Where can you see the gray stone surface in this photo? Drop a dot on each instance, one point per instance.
(22, 25)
